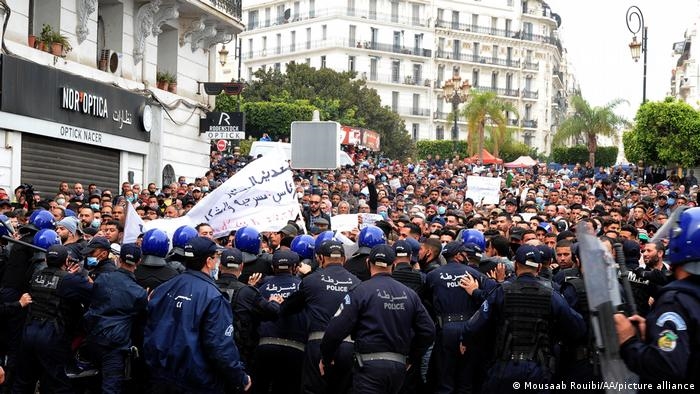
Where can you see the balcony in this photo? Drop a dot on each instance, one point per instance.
(559, 74)
(529, 94)
(376, 46)
(441, 53)
(391, 78)
(528, 123)
(498, 91)
(232, 8)
(340, 12)
(412, 111)
(340, 43)
(440, 115)
(512, 122)
(531, 66)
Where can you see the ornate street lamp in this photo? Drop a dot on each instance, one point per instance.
(635, 24)
(456, 92)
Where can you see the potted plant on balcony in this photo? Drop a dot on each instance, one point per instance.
(60, 45)
(45, 38)
(162, 80)
(172, 83)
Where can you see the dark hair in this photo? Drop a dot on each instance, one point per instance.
(631, 229)
(501, 244)
(116, 223)
(197, 262)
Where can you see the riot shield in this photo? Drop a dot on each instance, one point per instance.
(603, 293)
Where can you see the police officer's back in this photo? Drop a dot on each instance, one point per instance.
(58, 297)
(319, 295)
(671, 328)
(247, 240)
(527, 317)
(282, 341)
(403, 270)
(153, 269)
(176, 257)
(389, 324)
(366, 240)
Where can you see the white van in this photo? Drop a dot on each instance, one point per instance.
(285, 149)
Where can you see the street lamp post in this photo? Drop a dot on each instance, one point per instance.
(456, 92)
(635, 24)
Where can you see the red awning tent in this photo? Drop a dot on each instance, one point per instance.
(521, 162)
(488, 158)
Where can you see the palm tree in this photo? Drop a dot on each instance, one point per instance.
(483, 107)
(589, 123)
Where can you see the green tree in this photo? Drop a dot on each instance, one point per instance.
(665, 132)
(339, 97)
(589, 123)
(482, 108)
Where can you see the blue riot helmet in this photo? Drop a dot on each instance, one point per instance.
(155, 243)
(474, 236)
(42, 220)
(682, 230)
(303, 245)
(547, 227)
(46, 237)
(368, 238)
(182, 236)
(247, 240)
(5, 226)
(70, 213)
(327, 235)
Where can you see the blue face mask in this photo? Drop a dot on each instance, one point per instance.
(205, 189)
(214, 273)
(383, 214)
(130, 199)
(95, 207)
(442, 210)
(91, 261)
(95, 223)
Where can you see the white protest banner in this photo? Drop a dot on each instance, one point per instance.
(395, 183)
(369, 219)
(527, 216)
(344, 222)
(133, 225)
(483, 188)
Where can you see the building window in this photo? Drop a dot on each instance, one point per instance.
(475, 77)
(253, 19)
(528, 83)
(267, 16)
(324, 32)
(440, 75)
(278, 67)
(293, 39)
(373, 69)
(415, 14)
(395, 71)
(312, 8)
(250, 48)
(395, 12)
(417, 73)
(528, 111)
(264, 50)
(372, 9)
(323, 61)
(475, 21)
(527, 30)
(308, 61)
(351, 63)
(395, 101)
(417, 43)
(509, 56)
(440, 133)
(308, 38)
(455, 20)
(494, 79)
(110, 27)
(476, 48)
(494, 54)
(397, 41)
(509, 81)
(509, 27)
(168, 45)
(297, 6)
(280, 14)
(456, 49)
(352, 33)
(278, 44)
(416, 104)
(441, 47)
(415, 131)
(351, 7)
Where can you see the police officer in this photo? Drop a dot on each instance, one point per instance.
(15, 282)
(97, 259)
(153, 269)
(366, 240)
(282, 341)
(319, 295)
(389, 324)
(667, 349)
(52, 320)
(403, 270)
(43, 239)
(527, 317)
(249, 307)
(247, 240)
(181, 236)
(189, 315)
(118, 305)
(304, 245)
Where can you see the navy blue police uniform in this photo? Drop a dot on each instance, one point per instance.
(52, 320)
(320, 295)
(188, 343)
(452, 307)
(389, 324)
(282, 342)
(527, 317)
(117, 311)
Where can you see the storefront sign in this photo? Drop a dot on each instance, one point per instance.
(74, 102)
(223, 125)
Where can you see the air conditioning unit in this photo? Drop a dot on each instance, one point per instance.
(110, 61)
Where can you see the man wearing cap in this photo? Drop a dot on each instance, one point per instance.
(403, 269)
(188, 315)
(452, 307)
(67, 229)
(524, 317)
(58, 294)
(97, 259)
(277, 239)
(389, 324)
(282, 342)
(318, 296)
(248, 305)
(118, 306)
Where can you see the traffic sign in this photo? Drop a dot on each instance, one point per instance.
(221, 145)
(226, 135)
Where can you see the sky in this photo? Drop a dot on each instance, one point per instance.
(596, 37)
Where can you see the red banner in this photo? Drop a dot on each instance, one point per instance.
(360, 137)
